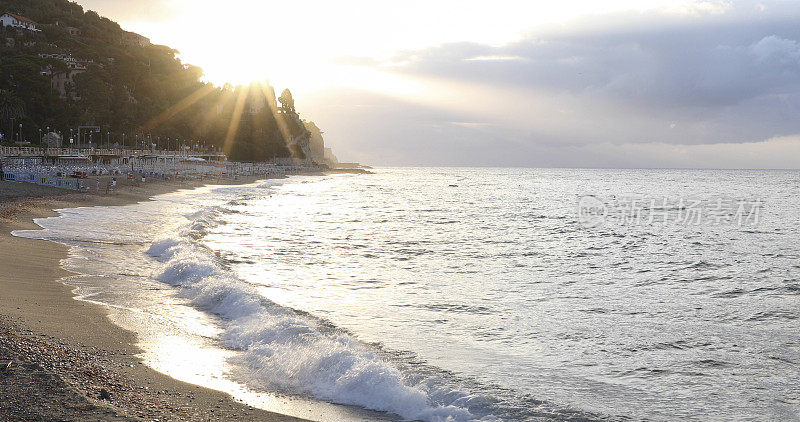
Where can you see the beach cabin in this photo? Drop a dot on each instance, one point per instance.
(17, 21)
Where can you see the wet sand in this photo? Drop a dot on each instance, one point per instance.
(68, 361)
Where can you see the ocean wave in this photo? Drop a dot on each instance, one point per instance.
(293, 352)
(160, 248)
(206, 219)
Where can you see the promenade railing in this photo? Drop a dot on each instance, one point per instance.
(121, 152)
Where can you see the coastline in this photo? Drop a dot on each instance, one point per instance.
(65, 352)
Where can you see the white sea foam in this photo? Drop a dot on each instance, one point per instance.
(481, 304)
(160, 248)
(289, 351)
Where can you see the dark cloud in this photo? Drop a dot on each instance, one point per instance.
(656, 79)
(695, 64)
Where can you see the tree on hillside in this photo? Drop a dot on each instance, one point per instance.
(131, 91)
(287, 102)
(11, 109)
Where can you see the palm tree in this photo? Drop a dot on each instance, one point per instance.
(11, 108)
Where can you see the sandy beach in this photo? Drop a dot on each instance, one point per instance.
(67, 360)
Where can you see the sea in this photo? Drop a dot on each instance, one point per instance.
(455, 294)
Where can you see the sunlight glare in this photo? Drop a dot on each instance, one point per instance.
(301, 44)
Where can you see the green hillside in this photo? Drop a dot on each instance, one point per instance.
(142, 91)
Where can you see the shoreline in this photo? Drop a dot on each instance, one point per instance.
(66, 352)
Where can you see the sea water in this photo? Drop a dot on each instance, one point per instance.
(464, 294)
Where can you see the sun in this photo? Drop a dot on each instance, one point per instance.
(232, 68)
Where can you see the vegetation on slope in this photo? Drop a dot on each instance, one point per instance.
(144, 92)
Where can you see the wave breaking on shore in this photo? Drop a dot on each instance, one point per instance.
(289, 351)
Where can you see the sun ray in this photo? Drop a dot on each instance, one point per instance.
(236, 118)
(273, 108)
(178, 107)
(205, 123)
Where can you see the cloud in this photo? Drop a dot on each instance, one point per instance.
(774, 153)
(590, 94)
(495, 58)
(382, 130)
(720, 64)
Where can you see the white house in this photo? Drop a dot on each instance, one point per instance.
(17, 21)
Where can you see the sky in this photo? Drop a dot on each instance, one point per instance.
(573, 83)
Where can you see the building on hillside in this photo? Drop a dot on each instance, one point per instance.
(61, 81)
(17, 21)
(70, 29)
(70, 61)
(132, 38)
(64, 82)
